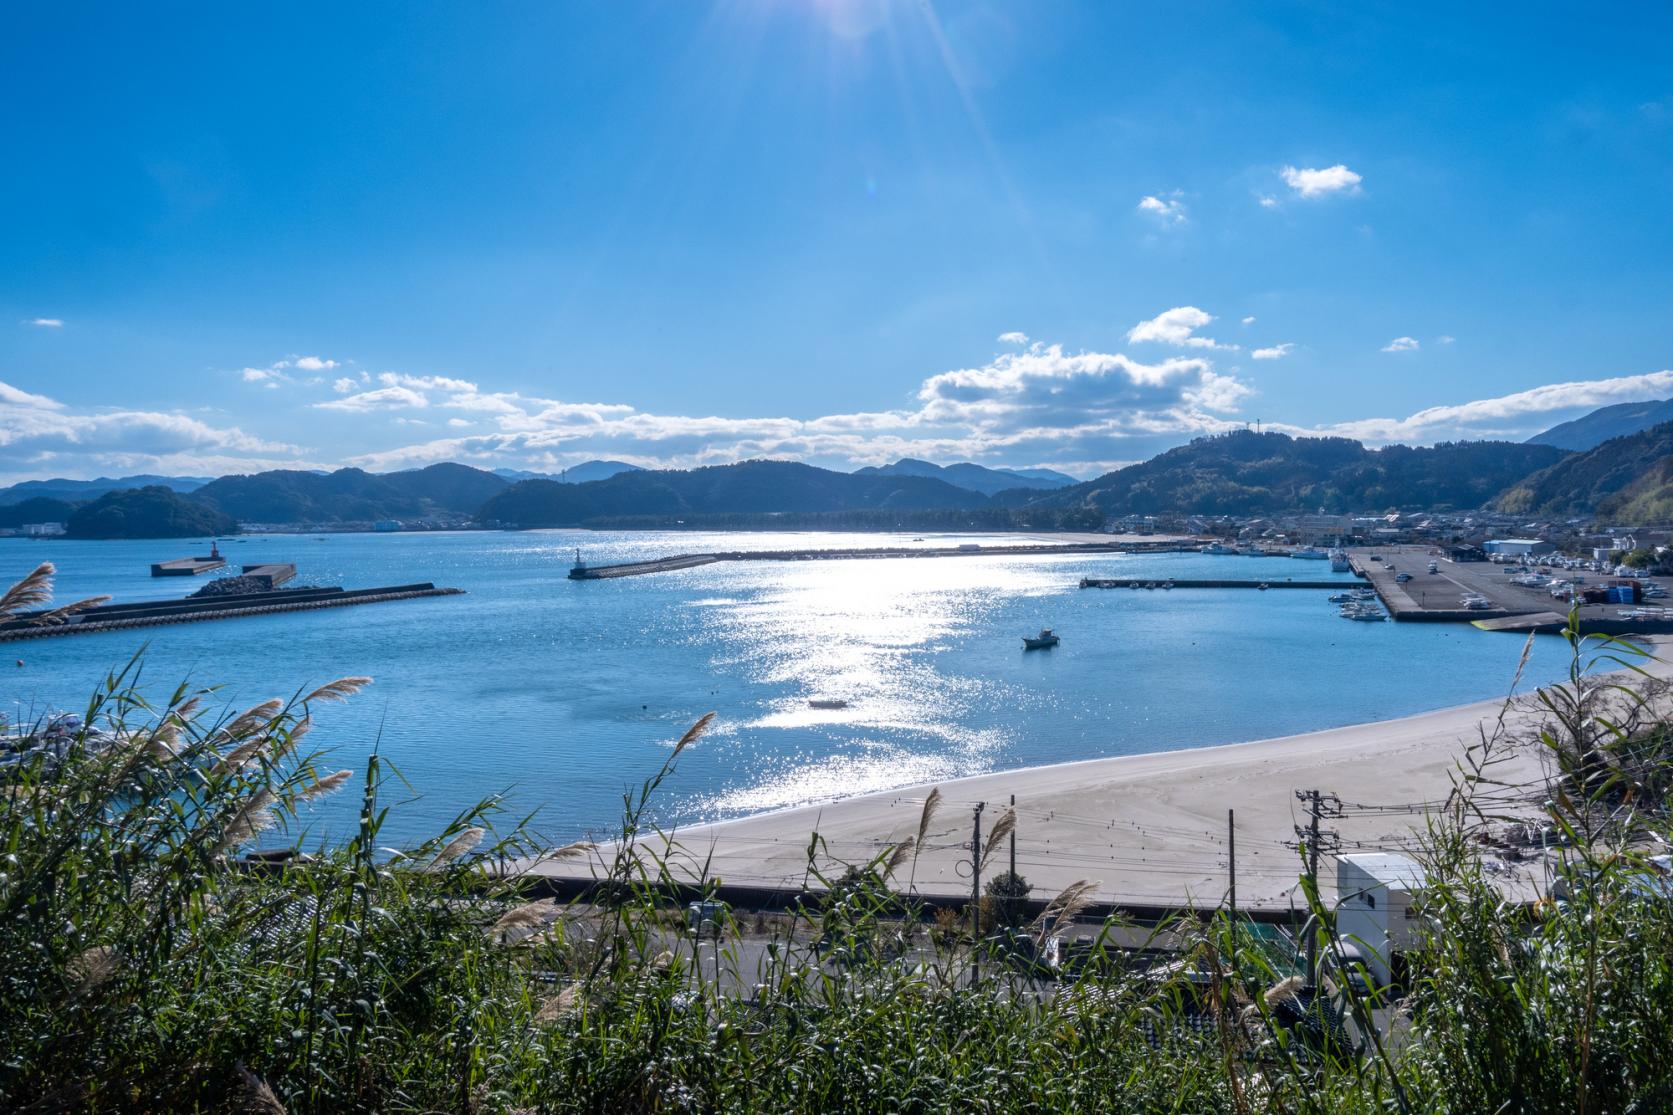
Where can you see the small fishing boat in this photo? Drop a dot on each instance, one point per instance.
(827, 702)
(1046, 638)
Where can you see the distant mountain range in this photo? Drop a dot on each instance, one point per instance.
(1244, 472)
(975, 478)
(75, 491)
(1238, 473)
(583, 473)
(1629, 479)
(1591, 430)
(749, 487)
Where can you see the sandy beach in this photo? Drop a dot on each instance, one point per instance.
(1148, 829)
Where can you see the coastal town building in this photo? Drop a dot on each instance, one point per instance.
(1518, 547)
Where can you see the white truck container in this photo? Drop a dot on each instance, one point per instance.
(1377, 895)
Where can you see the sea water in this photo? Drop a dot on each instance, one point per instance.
(562, 695)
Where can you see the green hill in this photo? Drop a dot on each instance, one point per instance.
(153, 512)
(35, 509)
(1626, 478)
(352, 494)
(1244, 472)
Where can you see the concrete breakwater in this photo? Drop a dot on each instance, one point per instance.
(585, 572)
(1175, 582)
(151, 613)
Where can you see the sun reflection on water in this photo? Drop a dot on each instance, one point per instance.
(872, 634)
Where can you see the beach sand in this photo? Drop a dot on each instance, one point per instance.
(1148, 829)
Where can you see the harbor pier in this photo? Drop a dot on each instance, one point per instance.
(187, 566)
(582, 571)
(1177, 582)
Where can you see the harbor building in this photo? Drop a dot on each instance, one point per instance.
(1519, 547)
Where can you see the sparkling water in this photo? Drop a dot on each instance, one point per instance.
(563, 694)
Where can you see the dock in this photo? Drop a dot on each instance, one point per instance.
(152, 613)
(1437, 597)
(585, 572)
(272, 575)
(187, 566)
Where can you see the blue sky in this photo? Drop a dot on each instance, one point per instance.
(532, 234)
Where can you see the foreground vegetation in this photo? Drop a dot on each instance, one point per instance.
(149, 967)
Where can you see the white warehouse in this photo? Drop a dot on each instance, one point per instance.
(1518, 547)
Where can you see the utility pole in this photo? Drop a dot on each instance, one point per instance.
(1318, 805)
(1013, 844)
(1231, 877)
(976, 889)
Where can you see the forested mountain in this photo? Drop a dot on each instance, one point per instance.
(1627, 478)
(1244, 472)
(976, 478)
(352, 495)
(36, 509)
(154, 512)
(746, 488)
(448, 486)
(1591, 430)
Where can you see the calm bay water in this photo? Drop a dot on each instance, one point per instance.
(564, 694)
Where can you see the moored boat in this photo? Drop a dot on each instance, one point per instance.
(1046, 638)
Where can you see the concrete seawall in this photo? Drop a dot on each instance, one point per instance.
(685, 561)
(120, 617)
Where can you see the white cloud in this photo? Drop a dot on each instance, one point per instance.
(1515, 415)
(1250, 320)
(45, 322)
(458, 423)
(39, 435)
(1040, 404)
(1168, 210)
(1268, 201)
(1276, 352)
(17, 397)
(1401, 344)
(343, 385)
(1310, 183)
(382, 398)
(1177, 327)
(1013, 338)
(278, 372)
(1445, 339)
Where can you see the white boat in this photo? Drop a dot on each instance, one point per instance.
(1310, 553)
(1046, 638)
(1219, 548)
(1339, 561)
